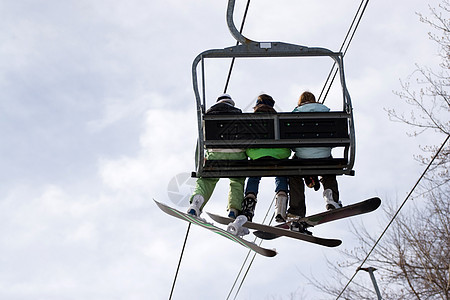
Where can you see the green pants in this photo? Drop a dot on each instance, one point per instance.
(205, 186)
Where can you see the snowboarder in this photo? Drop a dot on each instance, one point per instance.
(297, 207)
(264, 104)
(204, 187)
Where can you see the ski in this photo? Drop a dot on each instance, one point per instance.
(277, 231)
(202, 223)
(359, 208)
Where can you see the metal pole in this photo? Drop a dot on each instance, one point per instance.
(372, 277)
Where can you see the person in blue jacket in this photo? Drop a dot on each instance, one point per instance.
(297, 207)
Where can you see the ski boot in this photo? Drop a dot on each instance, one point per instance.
(281, 206)
(330, 203)
(196, 204)
(236, 227)
(248, 206)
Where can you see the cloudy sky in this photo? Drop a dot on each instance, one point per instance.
(98, 117)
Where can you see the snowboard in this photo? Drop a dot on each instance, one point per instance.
(277, 231)
(202, 223)
(359, 208)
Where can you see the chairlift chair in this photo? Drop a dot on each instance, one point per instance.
(280, 130)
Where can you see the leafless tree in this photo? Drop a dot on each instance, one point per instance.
(412, 259)
(427, 92)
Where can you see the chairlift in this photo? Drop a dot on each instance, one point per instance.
(280, 130)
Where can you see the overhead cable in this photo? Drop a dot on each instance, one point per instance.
(179, 262)
(237, 43)
(344, 47)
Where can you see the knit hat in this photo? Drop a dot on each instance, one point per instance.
(225, 98)
(265, 99)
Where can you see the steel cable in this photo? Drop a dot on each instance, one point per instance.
(345, 44)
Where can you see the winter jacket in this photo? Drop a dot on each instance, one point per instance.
(278, 153)
(223, 108)
(316, 152)
(224, 153)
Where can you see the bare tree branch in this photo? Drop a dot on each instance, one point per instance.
(412, 259)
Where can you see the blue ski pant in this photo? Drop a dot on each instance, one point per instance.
(281, 184)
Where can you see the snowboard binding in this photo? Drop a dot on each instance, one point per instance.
(237, 227)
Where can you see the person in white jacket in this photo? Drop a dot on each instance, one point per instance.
(297, 207)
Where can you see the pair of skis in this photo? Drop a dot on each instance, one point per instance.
(271, 232)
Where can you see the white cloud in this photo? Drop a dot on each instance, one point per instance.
(164, 153)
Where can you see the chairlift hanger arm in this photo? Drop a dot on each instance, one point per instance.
(234, 32)
(269, 49)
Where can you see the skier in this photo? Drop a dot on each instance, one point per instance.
(204, 187)
(264, 104)
(297, 207)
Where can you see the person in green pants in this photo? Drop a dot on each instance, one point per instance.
(204, 187)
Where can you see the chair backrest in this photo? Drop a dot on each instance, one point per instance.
(290, 130)
(281, 130)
